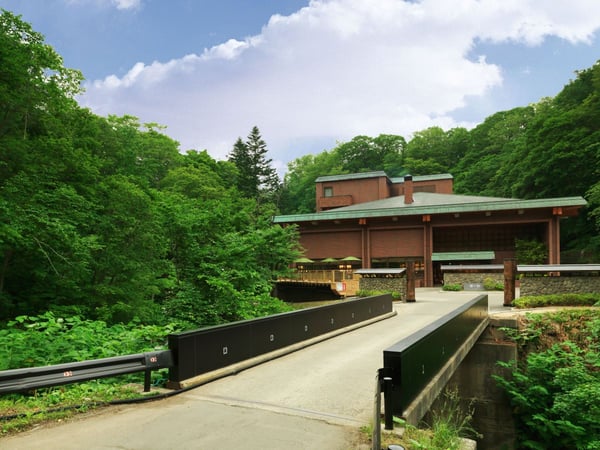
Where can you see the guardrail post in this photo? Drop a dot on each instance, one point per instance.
(387, 403)
(383, 384)
(147, 380)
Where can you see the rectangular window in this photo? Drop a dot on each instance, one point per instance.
(328, 192)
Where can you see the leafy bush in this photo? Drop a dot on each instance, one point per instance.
(452, 287)
(489, 284)
(530, 251)
(555, 391)
(557, 300)
(29, 341)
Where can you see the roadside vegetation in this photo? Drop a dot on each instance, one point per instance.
(30, 341)
(539, 301)
(450, 425)
(555, 385)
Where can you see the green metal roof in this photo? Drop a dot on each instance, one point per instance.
(463, 256)
(351, 176)
(429, 203)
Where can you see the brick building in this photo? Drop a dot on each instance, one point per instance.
(378, 221)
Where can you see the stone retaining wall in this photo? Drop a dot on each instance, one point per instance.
(546, 285)
(463, 278)
(384, 284)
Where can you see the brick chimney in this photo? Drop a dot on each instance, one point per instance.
(408, 189)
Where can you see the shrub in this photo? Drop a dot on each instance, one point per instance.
(555, 388)
(452, 287)
(489, 284)
(557, 300)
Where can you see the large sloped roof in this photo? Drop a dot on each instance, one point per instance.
(430, 203)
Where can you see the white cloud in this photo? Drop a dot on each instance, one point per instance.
(119, 4)
(336, 69)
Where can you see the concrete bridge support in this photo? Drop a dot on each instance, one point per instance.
(473, 381)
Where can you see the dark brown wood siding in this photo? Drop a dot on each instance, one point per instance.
(398, 242)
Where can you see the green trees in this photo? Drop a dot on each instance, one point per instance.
(105, 218)
(256, 178)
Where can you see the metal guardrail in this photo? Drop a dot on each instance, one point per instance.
(20, 380)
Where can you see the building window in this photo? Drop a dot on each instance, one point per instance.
(328, 192)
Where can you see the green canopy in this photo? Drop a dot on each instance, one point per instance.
(329, 260)
(350, 258)
(303, 260)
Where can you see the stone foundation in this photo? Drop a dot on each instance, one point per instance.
(464, 278)
(384, 284)
(546, 285)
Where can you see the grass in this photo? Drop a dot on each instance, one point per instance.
(450, 424)
(20, 412)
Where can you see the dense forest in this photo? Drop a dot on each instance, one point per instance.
(106, 218)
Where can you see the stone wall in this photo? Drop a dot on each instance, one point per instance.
(384, 284)
(546, 285)
(462, 278)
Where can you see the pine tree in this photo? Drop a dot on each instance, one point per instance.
(256, 177)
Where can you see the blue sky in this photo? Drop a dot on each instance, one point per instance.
(310, 74)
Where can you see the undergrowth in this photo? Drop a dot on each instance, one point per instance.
(555, 386)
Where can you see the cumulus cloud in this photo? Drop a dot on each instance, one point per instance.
(336, 69)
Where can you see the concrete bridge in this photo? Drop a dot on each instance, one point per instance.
(314, 398)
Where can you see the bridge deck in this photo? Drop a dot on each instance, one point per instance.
(273, 405)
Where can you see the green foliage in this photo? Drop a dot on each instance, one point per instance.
(29, 341)
(531, 251)
(489, 284)
(450, 423)
(555, 392)
(105, 217)
(256, 178)
(452, 287)
(568, 299)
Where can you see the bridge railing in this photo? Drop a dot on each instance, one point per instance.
(200, 351)
(413, 362)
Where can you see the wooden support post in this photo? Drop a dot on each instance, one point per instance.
(510, 275)
(410, 281)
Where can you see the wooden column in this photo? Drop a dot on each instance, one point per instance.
(410, 281)
(510, 275)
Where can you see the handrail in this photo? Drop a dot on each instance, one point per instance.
(20, 380)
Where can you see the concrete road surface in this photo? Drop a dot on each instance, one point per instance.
(315, 398)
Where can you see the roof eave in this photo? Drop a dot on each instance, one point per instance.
(501, 205)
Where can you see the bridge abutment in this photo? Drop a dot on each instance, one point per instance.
(477, 389)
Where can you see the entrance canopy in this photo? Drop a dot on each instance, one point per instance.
(464, 256)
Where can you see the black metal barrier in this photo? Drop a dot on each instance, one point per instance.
(201, 351)
(414, 361)
(20, 380)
